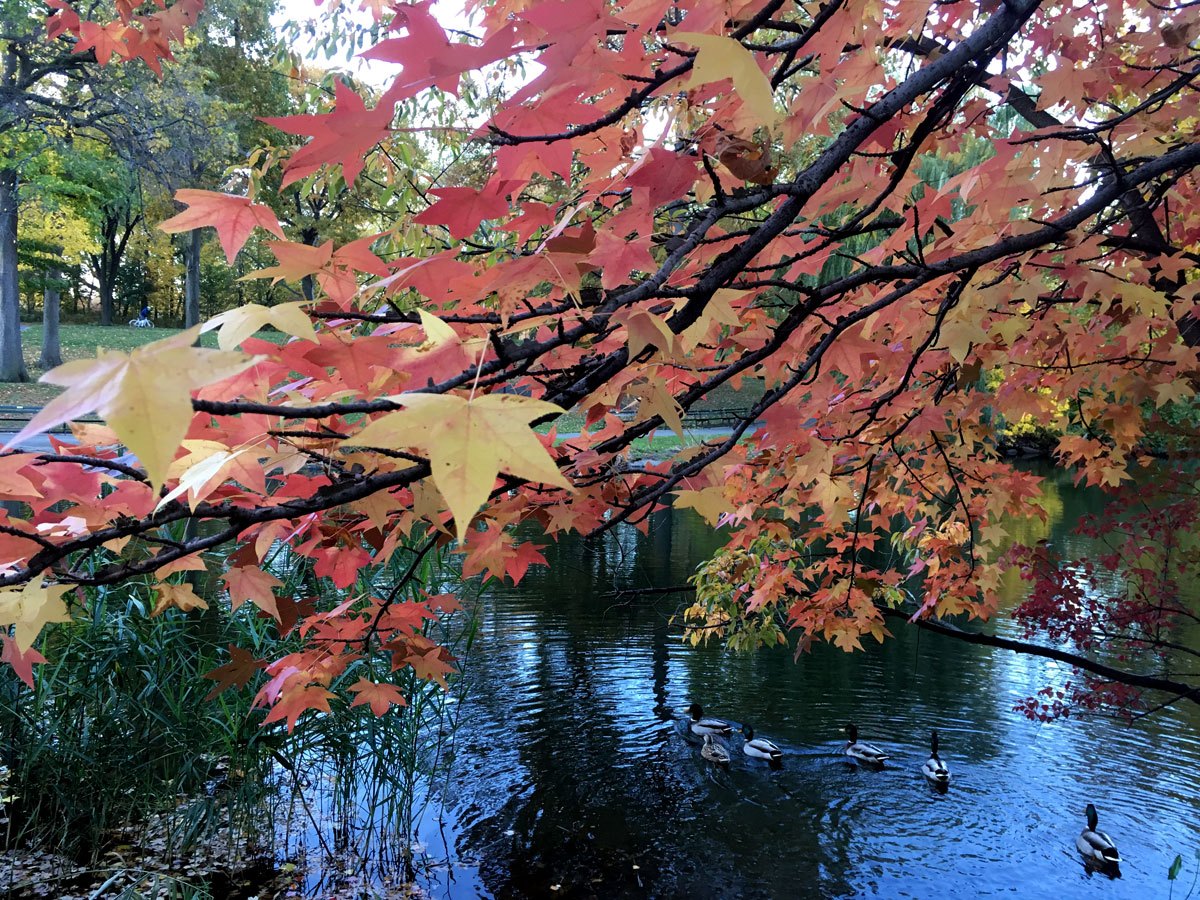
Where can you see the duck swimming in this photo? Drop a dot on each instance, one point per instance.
(867, 754)
(702, 726)
(715, 751)
(1097, 847)
(934, 769)
(760, 748)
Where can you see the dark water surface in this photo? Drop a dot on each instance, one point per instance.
(571, 778)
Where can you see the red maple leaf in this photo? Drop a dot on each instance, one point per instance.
(64, 21)
(619, 257)
(344, 136)
(428, 56)
(106, 40)
(294, 702)
(253, 584)
(354, 362)
(407, 617)
(533, 216)
(526, 555)
(296, 260)
(177, 18)
(342, 565)
(664, 176)
(461, 209)
(234, 218)
(22, 663)
(150, 45)
(430, 665)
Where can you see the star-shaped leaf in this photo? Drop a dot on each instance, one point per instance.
(181, 596)
(254, 584)
(144, 396)
(236, 673)
(22, 662)
(241, 322)
(722, 57)
(469, 442)
(380, 697)
(234, 218)
(31, 607)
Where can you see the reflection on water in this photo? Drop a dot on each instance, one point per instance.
(571, 778)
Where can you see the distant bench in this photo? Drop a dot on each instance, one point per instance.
(702, 418)
(14, 418)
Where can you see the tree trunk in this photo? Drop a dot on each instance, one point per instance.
(12, 364)
(191, 282)
(51, 352)
(116, 229)
(106, 300)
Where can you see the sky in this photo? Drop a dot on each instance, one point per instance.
(450, 13)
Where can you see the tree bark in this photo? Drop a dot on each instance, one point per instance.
(12, 363)
(191, 283)
(117, 228)
(106, 301)
(1181, 690)
(51, 299)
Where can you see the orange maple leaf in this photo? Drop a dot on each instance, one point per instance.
(236, 673)
(380, 697)
(234, 218)
(254, 584)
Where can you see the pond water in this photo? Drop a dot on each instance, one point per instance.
(570, 777)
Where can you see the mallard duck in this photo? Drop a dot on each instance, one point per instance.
(934, 769)
(866, 754)
(1096, 846)
(702, 726)
(760, 748)
(715, 751)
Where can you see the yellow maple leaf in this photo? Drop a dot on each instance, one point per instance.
(721, 57)
(144, 396)
(468, 442)
(30, 607)
(709, 503)
(644, 329)
(238, 324)
(200, 472)
(181, 596)
(1145, 299)
(958, 337)
(657, 400)
(718, 309)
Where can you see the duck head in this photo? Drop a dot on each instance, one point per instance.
(852, 732)
(748, 732)
(1092, 818)
(694, 710)
(933, 744)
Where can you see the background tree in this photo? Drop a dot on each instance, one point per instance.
(52, 81)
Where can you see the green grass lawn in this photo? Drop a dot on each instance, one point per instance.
(724, 397)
